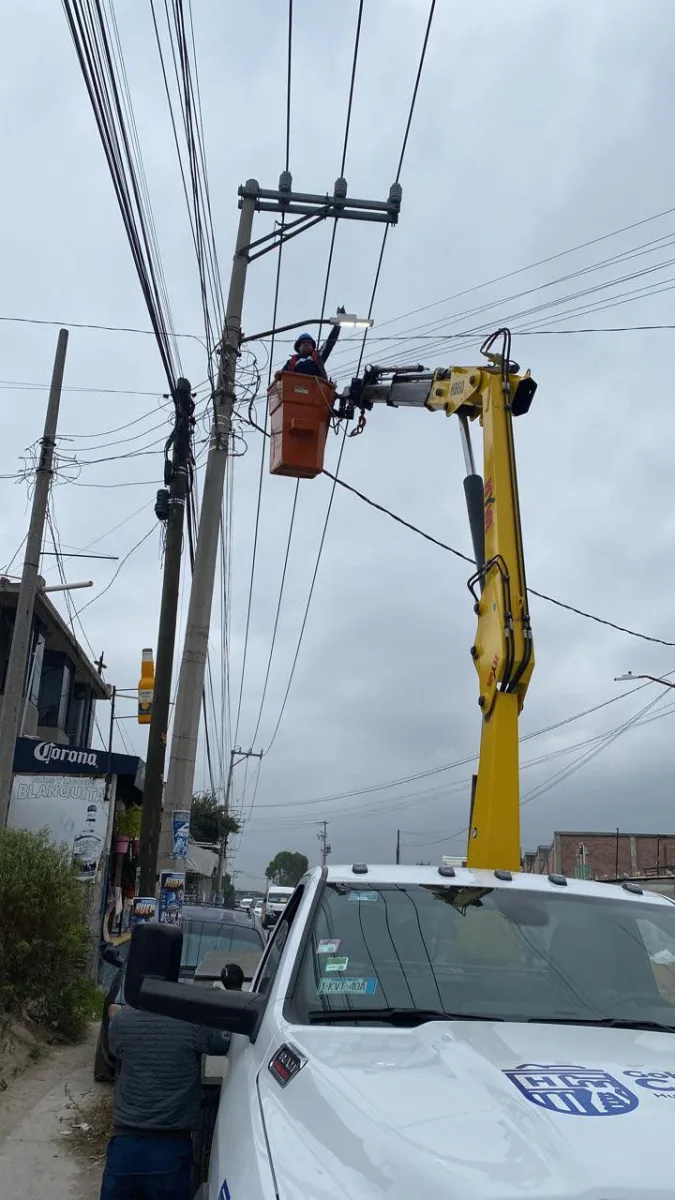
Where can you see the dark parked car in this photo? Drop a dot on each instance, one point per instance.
(207, 932)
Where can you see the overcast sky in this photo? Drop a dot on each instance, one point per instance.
(539, 126)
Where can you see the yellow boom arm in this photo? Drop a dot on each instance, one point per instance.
(503, 650)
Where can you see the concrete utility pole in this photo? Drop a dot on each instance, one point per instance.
(189, 698)
(323, 842)
(13, 699)
(236, 756)
(170, 508)
(309, 209)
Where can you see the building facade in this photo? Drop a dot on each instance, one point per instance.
(62, 684)
(614, 855)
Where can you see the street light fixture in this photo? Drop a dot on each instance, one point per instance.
(651, 678)
(344, 320)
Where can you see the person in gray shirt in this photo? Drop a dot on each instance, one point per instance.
(157, 1104)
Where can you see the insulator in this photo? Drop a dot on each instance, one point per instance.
(162, 505)
(340, 190)
(285, 182)
(395, 196)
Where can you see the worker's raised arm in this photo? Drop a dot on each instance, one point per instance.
(330, 340)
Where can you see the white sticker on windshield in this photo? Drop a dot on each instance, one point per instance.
(361, 896)
(341, 987)
(328, 946)
(336, 964)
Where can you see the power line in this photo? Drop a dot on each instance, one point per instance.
(261, 470)
(122, 563)
(329, 265)
(541, 262)
(462, 762)
(417, 799)
(413, 333)
(572, 768)
(107, 87)
(580, 612)
(371, 306)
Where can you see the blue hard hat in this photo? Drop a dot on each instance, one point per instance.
(304, 337)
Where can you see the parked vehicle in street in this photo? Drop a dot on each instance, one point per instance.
(274, 904)
(445, 1032)
(210, 934)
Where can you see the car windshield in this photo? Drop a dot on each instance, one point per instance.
(202, 937)
(490, 953)
(278, 897)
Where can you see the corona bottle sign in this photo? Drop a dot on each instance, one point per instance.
(146, 687)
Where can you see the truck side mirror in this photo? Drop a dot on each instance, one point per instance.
(154, 952)
(237, 1012)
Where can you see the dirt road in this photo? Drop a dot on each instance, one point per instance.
(36, 1155)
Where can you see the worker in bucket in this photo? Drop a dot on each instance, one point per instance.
(308, 360)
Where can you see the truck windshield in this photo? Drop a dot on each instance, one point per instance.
(492, 953)
(278, 897)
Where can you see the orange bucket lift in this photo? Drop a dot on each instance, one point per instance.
(300, 412)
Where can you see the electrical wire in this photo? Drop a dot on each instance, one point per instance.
(609, 738)
(343, 160)
(105, 80)
(412, 312)
(378, 271)
(121, 564)
(261, 471)
(580, 612)
(416, 800)
(531, 266)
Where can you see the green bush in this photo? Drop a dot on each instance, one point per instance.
(44, 941)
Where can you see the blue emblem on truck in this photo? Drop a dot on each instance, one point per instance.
(581, 1091)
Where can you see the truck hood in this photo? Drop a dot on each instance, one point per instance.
(472, 1110)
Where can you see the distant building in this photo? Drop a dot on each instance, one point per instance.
(62, 684)
(615, 855)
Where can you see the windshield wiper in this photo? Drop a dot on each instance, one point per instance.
(604, 1023)
(392, 1016)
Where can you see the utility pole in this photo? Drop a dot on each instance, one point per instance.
(323, 842)
(12, 701)
(170, 507)
(236, 756)
(191, 683)
(398, 846)
(308, 209)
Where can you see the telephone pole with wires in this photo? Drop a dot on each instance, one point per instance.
(15, 680)
(236, 756)
(322, 838)
(170, 509)
(308, 210)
